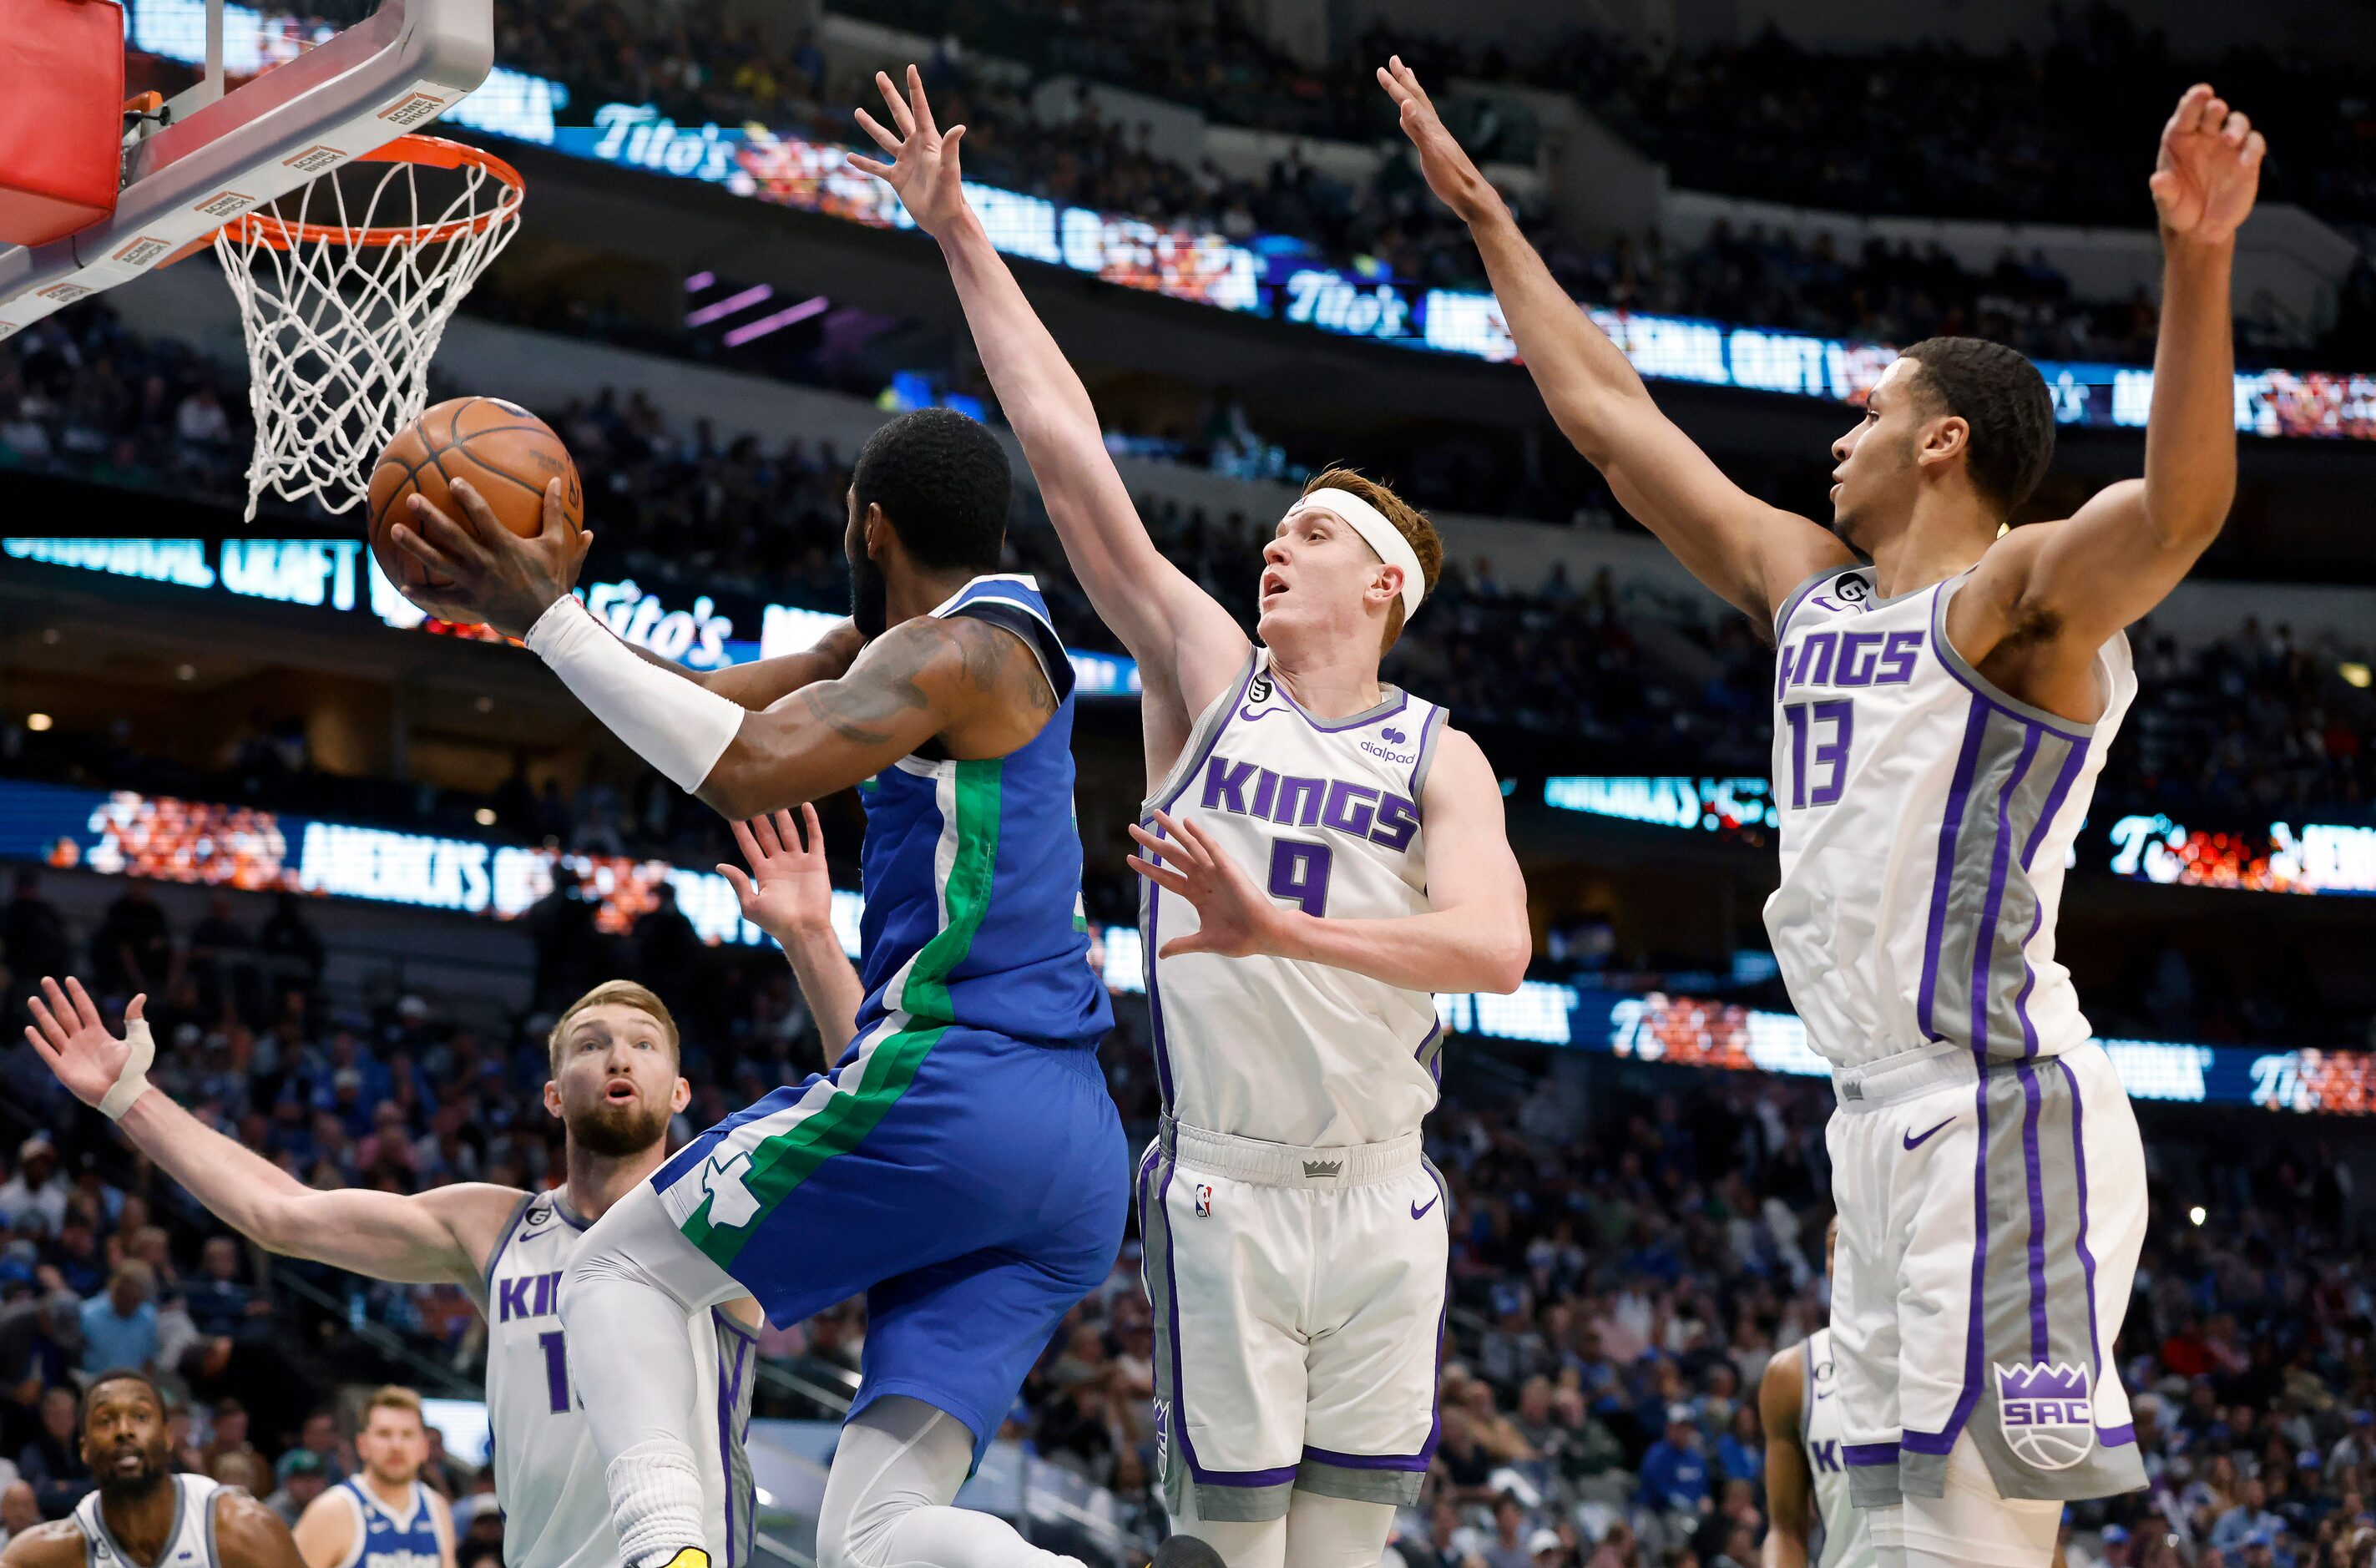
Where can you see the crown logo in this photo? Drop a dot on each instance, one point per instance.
(2039, 1380)
(1316, 1168)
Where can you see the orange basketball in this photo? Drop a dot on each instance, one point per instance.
(506, 453)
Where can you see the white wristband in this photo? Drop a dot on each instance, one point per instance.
(133, 1081)
(678, 727)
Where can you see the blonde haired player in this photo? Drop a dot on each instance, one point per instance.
(1940, 718)
(613, 1054)
(383, 1517)
(1322, 853)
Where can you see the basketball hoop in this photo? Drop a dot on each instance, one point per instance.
(344, 297)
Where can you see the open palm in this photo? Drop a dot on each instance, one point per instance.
(923, 167)
(2209, 169)
(785, 890)
(67, 1033)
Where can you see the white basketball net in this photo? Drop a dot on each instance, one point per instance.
(340, 336)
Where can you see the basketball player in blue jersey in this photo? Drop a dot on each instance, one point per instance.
(1941, 716)
(963, 1165)
(383, 1517)
(1322, 853)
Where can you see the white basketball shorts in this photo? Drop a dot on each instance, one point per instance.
(1299, 1297)
(1989, 1224)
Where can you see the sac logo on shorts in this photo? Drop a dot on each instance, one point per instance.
(2046, 1412)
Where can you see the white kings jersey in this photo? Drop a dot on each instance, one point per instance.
(547, 1477)
(1846, 1542)
(1926, 822)
(1324, 815)
(191, 1543)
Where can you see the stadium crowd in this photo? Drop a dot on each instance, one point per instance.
(1630, 1247)
(1071, 152)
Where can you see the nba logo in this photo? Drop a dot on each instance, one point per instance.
(2046, 1413)
(1204, 1202)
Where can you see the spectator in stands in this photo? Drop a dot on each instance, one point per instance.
(32, 937)
(19, 1509)
(290, 951)
(302, 1477)
(1674, 1471)
(230, 1435)
(668, 950)
(119, 1329)
(133, 948)
(37, 1189)
(52, 1463)
(569, 948)
(40, 1343)
(219, 1303)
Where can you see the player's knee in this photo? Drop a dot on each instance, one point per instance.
(863, 1538)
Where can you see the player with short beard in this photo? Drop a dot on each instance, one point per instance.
(615, 1084)
(143, 1514)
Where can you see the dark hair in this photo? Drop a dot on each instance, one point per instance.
(2000, 396)
(941, 479)
(125, 1374)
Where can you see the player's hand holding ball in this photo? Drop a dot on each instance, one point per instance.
(2209, 170)
(924, 169)
(477, 514)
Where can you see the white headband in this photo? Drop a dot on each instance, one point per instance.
(1381, 535)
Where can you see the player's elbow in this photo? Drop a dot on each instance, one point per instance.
(1506, 960)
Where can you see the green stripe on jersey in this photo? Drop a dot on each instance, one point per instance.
(780, 1162)
(964, 898)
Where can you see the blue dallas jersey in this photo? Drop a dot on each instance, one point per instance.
(972, 871)
(386, 1538)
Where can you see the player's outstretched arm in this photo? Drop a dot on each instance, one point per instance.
(438, 1236)
(2120, 554)
(57, 1544)
(1789, 1489)
(1187, 647)
(1475, 935)
(1749, 553)
(249, 1535)
(788, 894)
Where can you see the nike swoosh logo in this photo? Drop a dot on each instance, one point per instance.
(1250, 716)
(1914, 1141)
(1419, 1210)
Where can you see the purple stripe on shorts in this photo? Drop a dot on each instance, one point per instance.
(1949, 827)
(729, 1391)
(1865, 1456)
(2116, 1437)
(1368, 1461)
(2036, 1211)
(1279, 1476)
(2086, 1258)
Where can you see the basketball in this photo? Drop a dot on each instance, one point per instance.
(506, 453)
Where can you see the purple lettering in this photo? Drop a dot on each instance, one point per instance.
(1857, 652)
(1349, 809)
(1300, 800)
(1265, 790)
(1224, 778)
(1898, 658)
(1782, 671)
(545, 1284)
(1831, 755)
(511, 1298)
(1397, 822)
(1814, 661)
(2016, 1413)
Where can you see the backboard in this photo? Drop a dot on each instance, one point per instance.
(283, 97)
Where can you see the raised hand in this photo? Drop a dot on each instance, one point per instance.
(1451, 174)
(495, 575)
(786, 891)
(1234, 918)
(923, 169)
(67, 1034)
(2209, 171)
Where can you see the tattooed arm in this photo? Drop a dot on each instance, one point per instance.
(976, 689)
